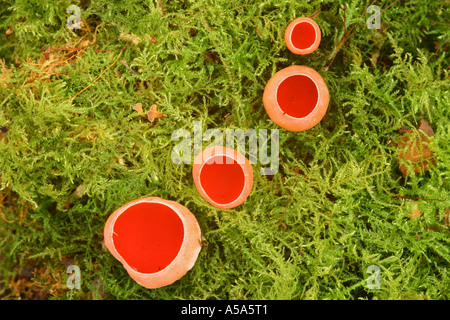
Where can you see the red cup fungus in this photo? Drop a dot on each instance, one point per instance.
(222, 176)
(302, 36)
(296, 98)
(156, 240)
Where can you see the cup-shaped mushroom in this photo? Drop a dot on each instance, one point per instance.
(296, 98)
(222, 176)
(302, 36)
(156, 240)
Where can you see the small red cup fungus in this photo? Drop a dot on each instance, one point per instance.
(302, 36)
(223, 176)
(156, 240)
(296, 98)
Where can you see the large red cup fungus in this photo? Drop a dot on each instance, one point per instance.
(223, 176)
(302, 36)
(296, 98)
(156, 240)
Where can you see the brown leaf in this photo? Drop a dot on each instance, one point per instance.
(415, 212)
(138, 107)
(153, 114)
(425, 127)
(414, 148)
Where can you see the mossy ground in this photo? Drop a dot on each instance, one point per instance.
(69, 157)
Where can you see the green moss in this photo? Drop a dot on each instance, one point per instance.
(350, 204)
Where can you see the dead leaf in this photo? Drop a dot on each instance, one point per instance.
(138, 107)
(425, 127)
(415, 212)
(153, 114)
(414, 148)
(9, 31)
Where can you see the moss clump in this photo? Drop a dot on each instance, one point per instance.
(73, 149)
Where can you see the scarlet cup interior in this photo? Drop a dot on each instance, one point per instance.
(297, 96)
(303, 35)
(222, 178)
(148, 236)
